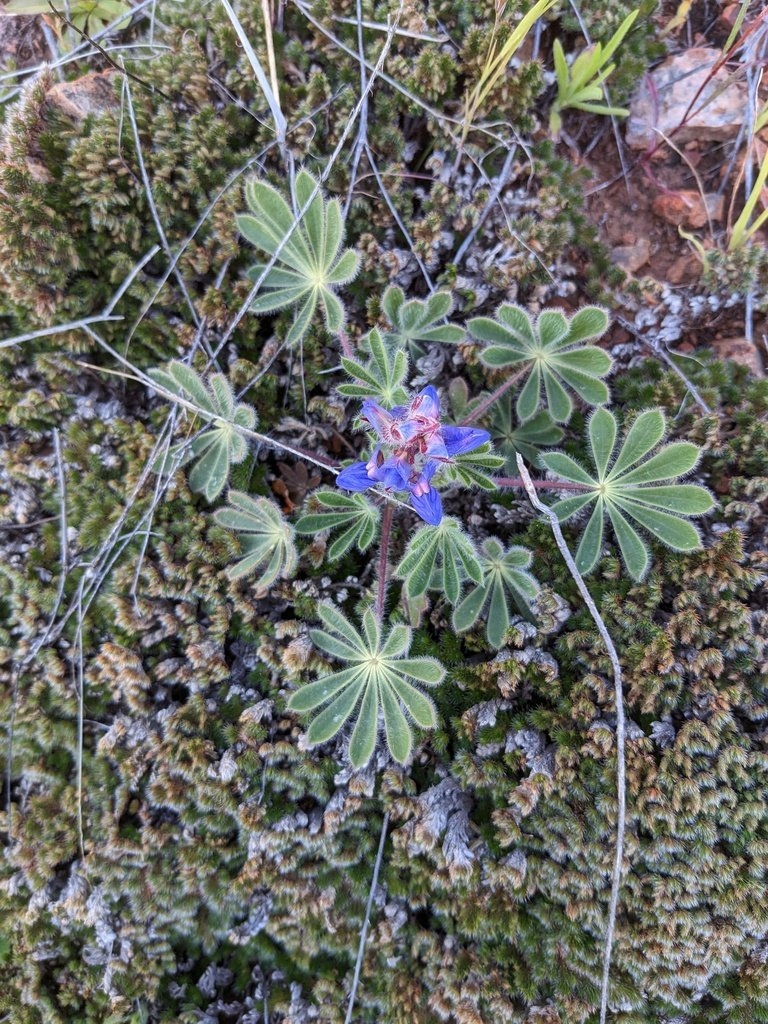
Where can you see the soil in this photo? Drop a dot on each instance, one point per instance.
(640, 208)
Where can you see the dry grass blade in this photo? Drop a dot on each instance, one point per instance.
(270, 96)
(496, 64)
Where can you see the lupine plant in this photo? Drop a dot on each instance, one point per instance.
(414, 463)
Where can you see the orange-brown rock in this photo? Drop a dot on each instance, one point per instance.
(92, 94)
(688, 208)
(741, 351)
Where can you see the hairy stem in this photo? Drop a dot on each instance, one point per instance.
(346, 348)
(487, 402)
(386, 533)
(621, 784)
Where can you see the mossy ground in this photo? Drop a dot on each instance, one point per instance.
(174, 852)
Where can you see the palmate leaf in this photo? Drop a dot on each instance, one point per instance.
(471, 468)
(379, 677)
(505, 577)
(552, 353)
(352, 513)
(511, 437)
(266, 538)
(309, 261)
(222, 445)
(440, 558)
(418, 322)
(632, 481)
(382, 377)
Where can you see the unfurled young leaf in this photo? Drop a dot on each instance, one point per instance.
(439, 558)
(418, 322)
(552, 354)
(633, 480)
(217, 448)
(511, 437)
(380, 677)
(382, 377)
(266, 538)
(309, 261)
(505, 576)
(356, 517)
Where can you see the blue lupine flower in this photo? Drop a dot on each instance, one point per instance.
(413, 445)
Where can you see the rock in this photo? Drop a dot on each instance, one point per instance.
(683, 100)
(632, 257)
(22, 41)
(92, 94)
(685, 270)
(688, 208)
(739, 350)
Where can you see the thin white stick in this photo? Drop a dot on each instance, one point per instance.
(80, 724)
(45, 332)
(621, 785)
(366, 921)
(272, 101)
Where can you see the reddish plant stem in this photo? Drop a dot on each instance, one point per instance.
(386, 533)
(552, 485)
(346, 348)
(487, 402)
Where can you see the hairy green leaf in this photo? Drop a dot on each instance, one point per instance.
(441, 558)
(380, 677)
(419, 322)
(528, 438)
(632, 485)
(353, 513)
(552, 354)
(219, 447)
(505, 577)
(382, 377)
(307, 261)
(266, 538)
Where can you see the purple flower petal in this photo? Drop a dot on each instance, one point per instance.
(394, 473)
(355, 477)
(435, 447)
(426, 404)
(429, 469)
(460, 440)
(429, 506)
(383, 422)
